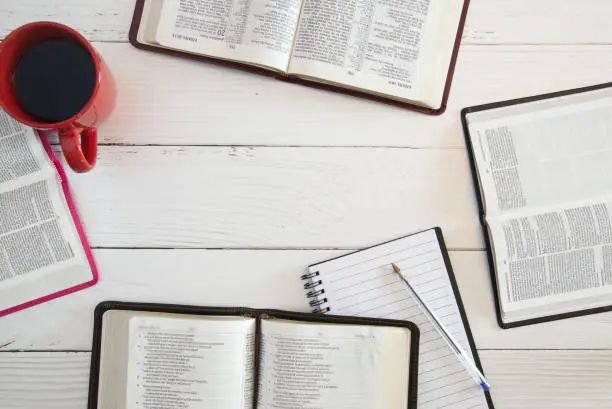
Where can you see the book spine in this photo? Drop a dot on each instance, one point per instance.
(315, 292)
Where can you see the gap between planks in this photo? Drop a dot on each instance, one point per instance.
(221, 145)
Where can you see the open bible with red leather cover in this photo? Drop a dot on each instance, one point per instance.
(44, 253)
(399, 51)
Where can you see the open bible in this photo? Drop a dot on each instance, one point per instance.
(543, 173)
(161, 356)
(44, 253)
(398, 50)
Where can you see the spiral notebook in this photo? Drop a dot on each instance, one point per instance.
(363, 284)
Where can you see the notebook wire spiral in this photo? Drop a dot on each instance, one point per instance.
(315, 292)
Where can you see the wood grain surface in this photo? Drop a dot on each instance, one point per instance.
(533, 379)
(243, 197)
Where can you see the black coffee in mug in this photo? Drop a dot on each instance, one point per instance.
(54, 80)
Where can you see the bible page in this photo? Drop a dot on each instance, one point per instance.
(40, 250)
(326, 366)
(395, 48)
(544, 153)
(192, 363)
(560, 256)
(258, 32)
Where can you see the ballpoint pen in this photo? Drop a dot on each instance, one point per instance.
(462, 356)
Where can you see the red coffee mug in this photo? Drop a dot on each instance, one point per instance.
(80, 155)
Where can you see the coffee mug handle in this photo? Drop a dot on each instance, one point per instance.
(80, 154)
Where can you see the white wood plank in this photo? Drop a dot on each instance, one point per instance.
(549, 379)
(262, 279)
(219, 197)
(520, 379)
(98, 20)
(489, 21)
(165, 100)
(44, 380)
(538, 22)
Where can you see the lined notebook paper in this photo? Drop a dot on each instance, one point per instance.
(364, 284)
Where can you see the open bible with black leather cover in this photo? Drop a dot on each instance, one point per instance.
(543, 178)
(152, 356)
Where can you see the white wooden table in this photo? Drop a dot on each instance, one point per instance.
(216, 187)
